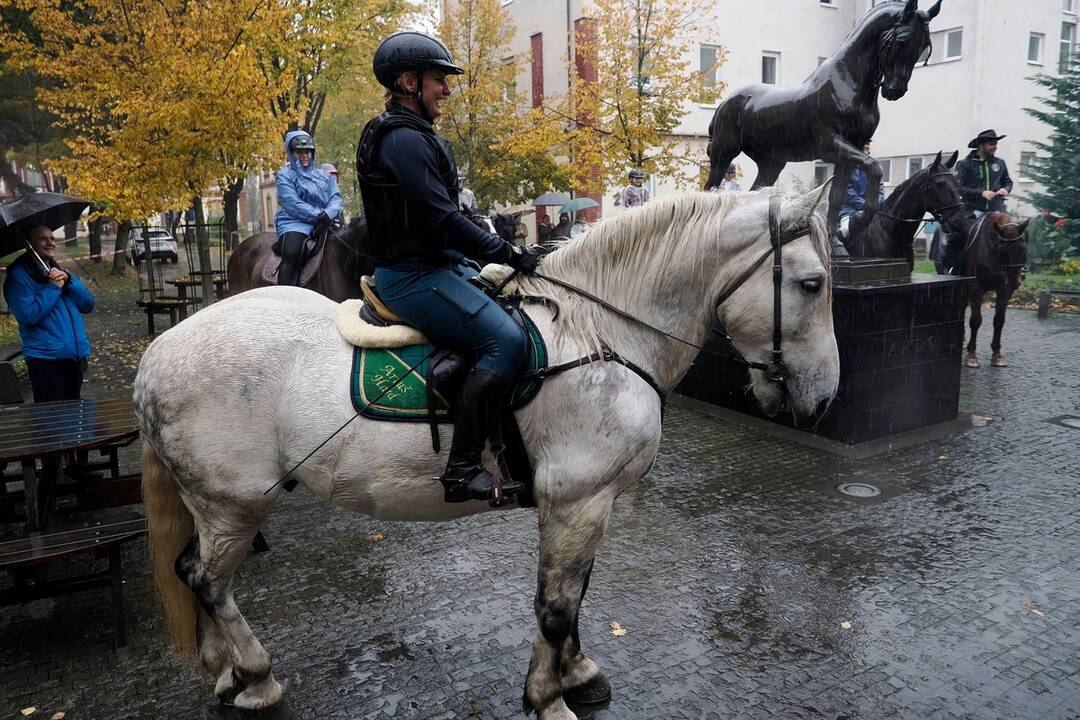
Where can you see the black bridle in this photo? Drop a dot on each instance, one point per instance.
(775, 370)
(939, 214)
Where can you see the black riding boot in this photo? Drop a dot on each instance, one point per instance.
(475, 414)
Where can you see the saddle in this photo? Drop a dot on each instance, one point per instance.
(311, 257)
(398, 375)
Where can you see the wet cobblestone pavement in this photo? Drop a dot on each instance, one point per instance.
(749, 588)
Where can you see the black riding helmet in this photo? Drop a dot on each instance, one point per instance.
(411, 50)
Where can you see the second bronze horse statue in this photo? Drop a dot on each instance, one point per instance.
(833, 114)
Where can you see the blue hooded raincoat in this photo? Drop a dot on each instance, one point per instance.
(303, 193)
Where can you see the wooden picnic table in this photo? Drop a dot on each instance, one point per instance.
(183, 282)
(48, 431)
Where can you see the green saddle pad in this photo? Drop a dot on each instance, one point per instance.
(376, 369)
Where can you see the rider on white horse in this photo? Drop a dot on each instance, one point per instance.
(419, 239)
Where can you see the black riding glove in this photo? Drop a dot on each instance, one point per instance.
(323, 222)
(524, 259)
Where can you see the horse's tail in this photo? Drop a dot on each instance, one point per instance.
(170, 526)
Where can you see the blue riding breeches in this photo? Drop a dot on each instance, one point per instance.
(441, 303)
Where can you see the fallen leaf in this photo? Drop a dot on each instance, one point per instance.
(943, 457)
(28, 711)
(376, 536)
(57, 716)
(845, 624)
(616, 629)
(1030, 605)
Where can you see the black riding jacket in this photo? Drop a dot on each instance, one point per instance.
(408, 178)
(977, 176)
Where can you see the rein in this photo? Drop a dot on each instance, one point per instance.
(775, 371)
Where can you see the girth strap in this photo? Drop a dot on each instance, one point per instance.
(606, 354)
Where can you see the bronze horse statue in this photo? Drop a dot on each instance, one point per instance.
(995, 254)
(890, 233)
(338, 276)
(833, 114)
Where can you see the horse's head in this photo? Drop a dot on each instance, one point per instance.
(901, 46)
(505, 225)
(807, 340)
(942, 193)
(1009, 247)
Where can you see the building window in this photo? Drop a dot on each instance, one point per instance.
(1068, 47)
(1027, 165)
(1035, 48)
(828, 3)
(914, 165)
(954, 44)
(886, 171)
(709, 67)
(1068, 6)
(822, 173)
(770, 68)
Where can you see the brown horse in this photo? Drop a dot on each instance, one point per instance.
(995, 254)
(338, 277)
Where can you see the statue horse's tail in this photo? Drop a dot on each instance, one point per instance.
(170, 526)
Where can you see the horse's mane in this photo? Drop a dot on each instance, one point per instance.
(875, 12)
(641, 250)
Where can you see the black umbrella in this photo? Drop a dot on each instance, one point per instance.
(53, 210)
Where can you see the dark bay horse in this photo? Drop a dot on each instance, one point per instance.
(995, 254)
(890, 233)
(339, 274)
(833, 114)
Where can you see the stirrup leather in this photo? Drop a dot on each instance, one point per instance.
(373, 301)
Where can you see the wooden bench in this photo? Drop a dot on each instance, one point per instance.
(1048, 294)
(103, 539)
(174, 307)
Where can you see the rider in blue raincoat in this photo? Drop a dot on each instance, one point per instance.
(419, 238)
(308, 203)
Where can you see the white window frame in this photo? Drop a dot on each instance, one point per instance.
(716, 72)
(886, 175)
(1023, 165)
(829, 4)
(907, 166)
(1068, 6)
(1040, 38)
(775, 56)
(945, 57)
(1066, 50)
(827, 169)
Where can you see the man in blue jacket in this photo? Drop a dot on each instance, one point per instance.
(419, 238)
(49, 303)
(309, 202)
(855, 200)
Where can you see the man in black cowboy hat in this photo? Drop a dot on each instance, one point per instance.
(984, 179)
(984, 185)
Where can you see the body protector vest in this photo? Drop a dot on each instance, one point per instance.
(396, 232)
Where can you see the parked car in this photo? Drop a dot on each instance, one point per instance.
(162, 246)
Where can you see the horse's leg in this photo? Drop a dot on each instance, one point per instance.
(227, 645)
(768, 172)
(582, 681)
(1001, 304)
(837, 193)
(568, 540)
(975, 300)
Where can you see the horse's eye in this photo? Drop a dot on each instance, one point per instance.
(811, 286)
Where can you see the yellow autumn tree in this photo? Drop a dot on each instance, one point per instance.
(157, 98)
(499, 144)
(637, 80)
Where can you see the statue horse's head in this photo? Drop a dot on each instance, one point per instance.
(901, 46)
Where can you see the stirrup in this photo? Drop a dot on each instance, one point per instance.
(480, 485)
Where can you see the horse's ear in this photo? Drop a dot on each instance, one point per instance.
(796, 214)
(1024, 226)
(937, 160)
(953, 159)
(909, 10)
(934, 10)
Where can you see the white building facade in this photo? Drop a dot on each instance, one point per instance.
(978, 76)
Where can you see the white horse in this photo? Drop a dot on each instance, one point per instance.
(232, 398)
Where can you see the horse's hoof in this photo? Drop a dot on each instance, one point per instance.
(998, 361)
(263, 696)
(971, 361)
(592, 692)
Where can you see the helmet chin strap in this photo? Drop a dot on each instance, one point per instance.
(418, 96)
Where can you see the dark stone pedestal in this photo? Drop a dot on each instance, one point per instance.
(900, 343)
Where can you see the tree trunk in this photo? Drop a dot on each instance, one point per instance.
(119, 261)
(94, 226)
(231, 199)
(202, 244)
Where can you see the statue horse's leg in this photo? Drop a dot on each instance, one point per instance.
(1001, 304)
(974, 322)
(227, 647)
(768, 171)
(569, 537)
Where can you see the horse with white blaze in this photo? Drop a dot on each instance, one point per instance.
(234, 397)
